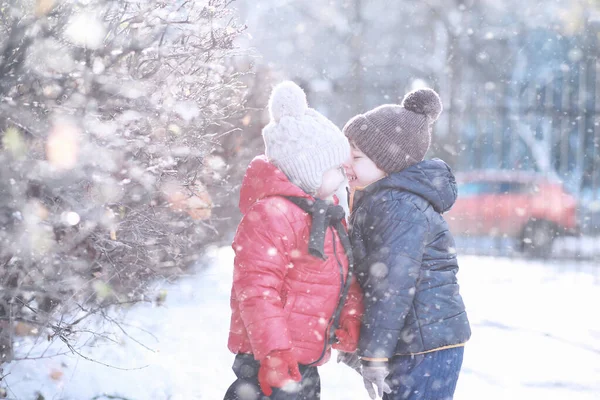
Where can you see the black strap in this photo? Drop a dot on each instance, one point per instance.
(324, 215)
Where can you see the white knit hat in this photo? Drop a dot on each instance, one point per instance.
(302, 143)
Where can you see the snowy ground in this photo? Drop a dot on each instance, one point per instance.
(536, 335)
(564, 248)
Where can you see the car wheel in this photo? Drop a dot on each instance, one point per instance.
(537, 238)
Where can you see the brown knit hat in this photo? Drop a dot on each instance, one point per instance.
(396, 136)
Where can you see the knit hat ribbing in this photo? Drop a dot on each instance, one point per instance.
(302, 143)
(396, 136)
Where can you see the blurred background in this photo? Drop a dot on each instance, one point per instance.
(126, 127)
(518, 80)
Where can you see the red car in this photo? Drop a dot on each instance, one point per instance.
(527, 206)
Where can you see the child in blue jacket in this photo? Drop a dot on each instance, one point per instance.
(415, 326)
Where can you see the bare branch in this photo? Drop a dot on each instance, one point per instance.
(143, 106)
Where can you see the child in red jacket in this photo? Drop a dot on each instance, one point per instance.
(293, 294)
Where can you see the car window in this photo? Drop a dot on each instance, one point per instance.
(478, 188)
(508, 187)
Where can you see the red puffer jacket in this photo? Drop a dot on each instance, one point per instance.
(283, 297)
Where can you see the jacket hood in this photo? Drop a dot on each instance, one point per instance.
(263, 179)
(432, 180)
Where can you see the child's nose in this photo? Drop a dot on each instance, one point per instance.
(347, 164)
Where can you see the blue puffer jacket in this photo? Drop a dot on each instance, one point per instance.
(406, 263)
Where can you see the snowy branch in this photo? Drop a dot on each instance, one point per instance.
(108, 109)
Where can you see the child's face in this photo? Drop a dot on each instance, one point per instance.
(332, 180)
(361, 170)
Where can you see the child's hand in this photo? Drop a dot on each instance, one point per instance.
(374, 374)
(278, 369)
(347, 336)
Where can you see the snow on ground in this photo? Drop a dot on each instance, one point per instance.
(535, 331)
(564, 247)
(536, 335)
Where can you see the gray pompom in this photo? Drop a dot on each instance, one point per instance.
(423, 101)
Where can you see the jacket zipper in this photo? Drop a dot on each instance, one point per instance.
(342, 284)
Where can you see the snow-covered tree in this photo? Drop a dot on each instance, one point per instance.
(109, 110)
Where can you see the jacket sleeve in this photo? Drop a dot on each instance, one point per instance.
(261, 246)
(353, 309)
(394, 233)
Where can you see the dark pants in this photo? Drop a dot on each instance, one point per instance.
(246, 386)
(430, 376)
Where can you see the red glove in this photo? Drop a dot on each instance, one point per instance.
(348, 335)
(277, 369)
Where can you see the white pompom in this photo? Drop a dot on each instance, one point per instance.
(287, 100)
